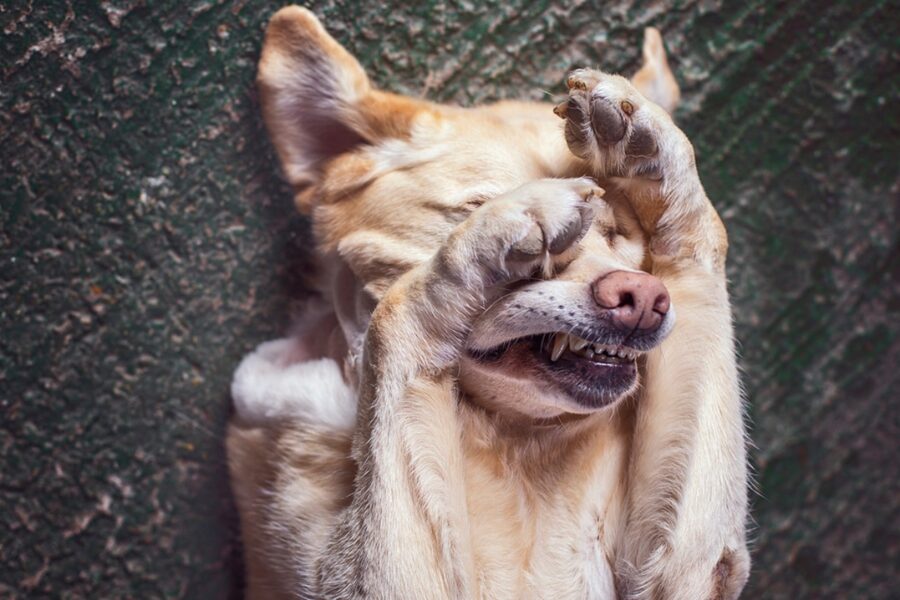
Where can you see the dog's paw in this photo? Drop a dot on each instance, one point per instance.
(618, 131)
(523, 232)
(634, 144)
(683, 576)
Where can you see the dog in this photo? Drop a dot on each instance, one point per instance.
(494, 396)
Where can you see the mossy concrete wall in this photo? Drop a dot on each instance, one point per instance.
(147, 242)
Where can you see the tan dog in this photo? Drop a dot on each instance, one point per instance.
(461, 417)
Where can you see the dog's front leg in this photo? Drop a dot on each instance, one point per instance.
(684, 536)
(405, 533)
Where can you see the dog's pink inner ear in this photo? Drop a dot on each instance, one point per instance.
(311, 91)
(326, 135)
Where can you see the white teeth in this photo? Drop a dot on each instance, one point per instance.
(576, 343)
(560, 341)
(615, 351)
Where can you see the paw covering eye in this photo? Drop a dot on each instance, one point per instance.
(627, 107)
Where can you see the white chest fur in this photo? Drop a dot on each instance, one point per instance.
(545, 524)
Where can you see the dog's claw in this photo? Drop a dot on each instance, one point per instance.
(561, 109)
(576, 83)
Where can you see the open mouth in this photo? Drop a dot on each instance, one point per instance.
(594, 374)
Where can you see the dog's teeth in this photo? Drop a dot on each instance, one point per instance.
(560, 341)
(576, 343)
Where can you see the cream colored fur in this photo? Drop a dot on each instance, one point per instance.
(372, 457)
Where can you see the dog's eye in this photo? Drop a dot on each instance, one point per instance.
(477, 199)
(608, 231)
(473, 203)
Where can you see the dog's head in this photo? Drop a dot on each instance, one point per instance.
(386, 178)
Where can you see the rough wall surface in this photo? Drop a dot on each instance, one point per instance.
(147, 242)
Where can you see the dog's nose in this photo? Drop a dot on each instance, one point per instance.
(634, 301)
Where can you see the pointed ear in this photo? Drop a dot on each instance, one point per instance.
(316, 99)
(654, 79)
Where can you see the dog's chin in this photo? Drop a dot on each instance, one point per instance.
(527, 376)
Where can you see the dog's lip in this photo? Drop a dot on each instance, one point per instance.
(592, 383)
(498, 330)
(546, 341)
(593, 337)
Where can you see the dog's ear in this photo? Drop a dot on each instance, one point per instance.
(654, 79)
(317, 101)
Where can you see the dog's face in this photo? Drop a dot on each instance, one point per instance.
(386, 180)
(569, 343)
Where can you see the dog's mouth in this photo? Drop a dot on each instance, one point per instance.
(592, 373)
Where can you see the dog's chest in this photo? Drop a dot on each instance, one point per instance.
(540, 542)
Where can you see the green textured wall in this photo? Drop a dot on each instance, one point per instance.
(147, 243)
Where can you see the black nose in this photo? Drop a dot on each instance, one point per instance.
(634, 301)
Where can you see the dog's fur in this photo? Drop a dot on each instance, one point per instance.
(373, 455)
